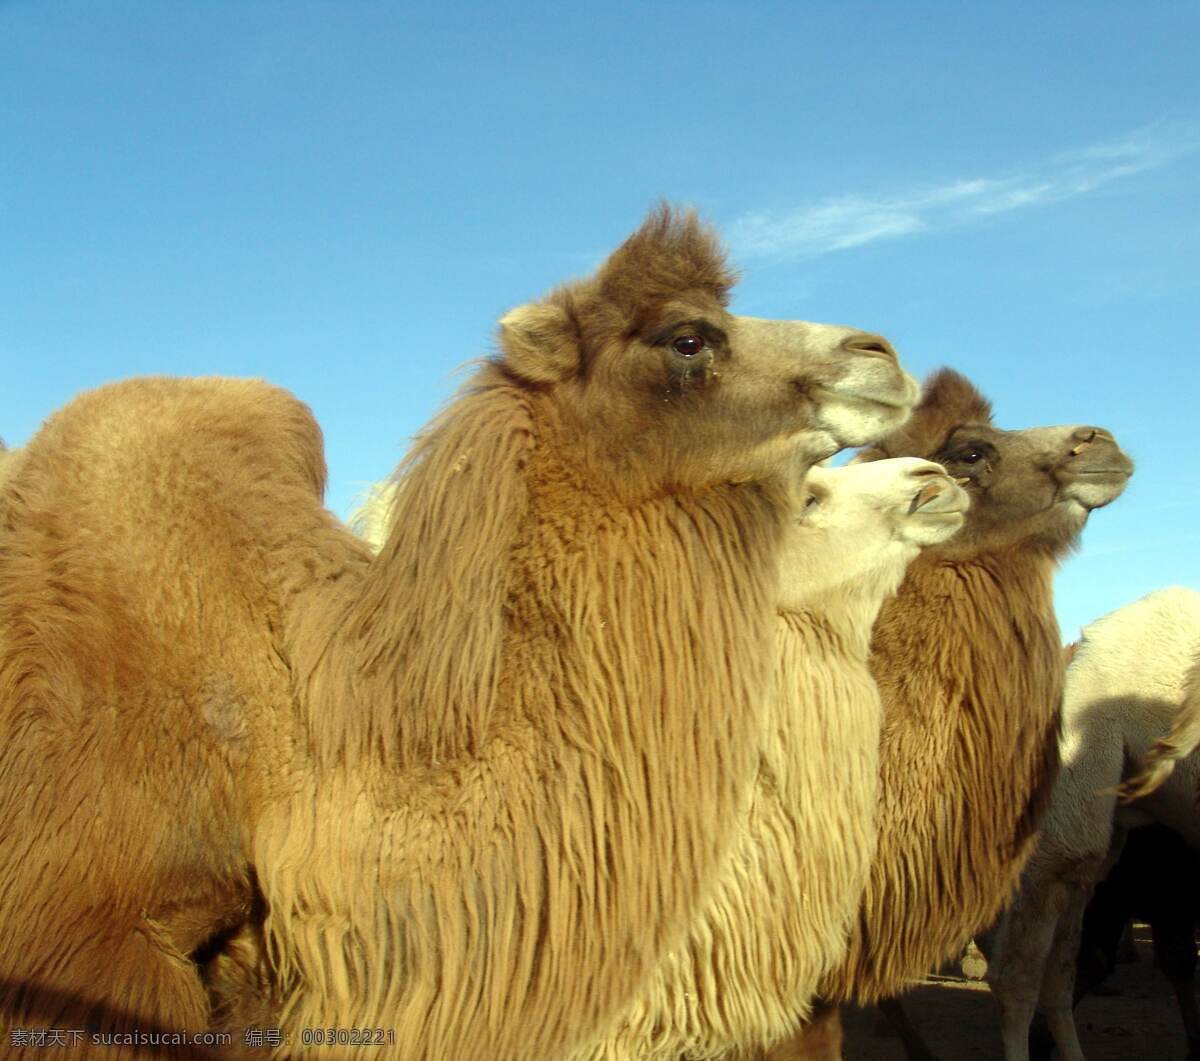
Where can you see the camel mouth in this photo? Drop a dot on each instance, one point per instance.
(942, 498)
(858, 413)
(880, 383)
(1092, 490)
(887, 399)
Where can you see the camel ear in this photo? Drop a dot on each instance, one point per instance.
(539, 342)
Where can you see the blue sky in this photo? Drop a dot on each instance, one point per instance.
(343, 197)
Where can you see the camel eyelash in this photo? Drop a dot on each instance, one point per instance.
(710, 333)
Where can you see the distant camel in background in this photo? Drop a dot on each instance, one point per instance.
(1129, 679)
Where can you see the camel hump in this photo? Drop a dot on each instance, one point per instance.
(126, 429)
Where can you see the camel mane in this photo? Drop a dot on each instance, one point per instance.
(777, 920)
(437, 591)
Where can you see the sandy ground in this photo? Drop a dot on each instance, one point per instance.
(1139, 1019)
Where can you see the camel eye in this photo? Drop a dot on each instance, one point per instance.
(972, 456)
(812, 502)
(687, 345)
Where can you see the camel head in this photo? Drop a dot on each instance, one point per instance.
(861, 525)
(1034, 486)
(649, 368)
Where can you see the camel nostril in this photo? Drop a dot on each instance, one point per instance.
(867, 343)
(925, 495)
(1083, 437)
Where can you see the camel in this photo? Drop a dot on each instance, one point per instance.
(473, 786)
(779, 915)
(1126, 683)
(968, 661)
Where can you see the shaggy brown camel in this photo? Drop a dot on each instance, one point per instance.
(778, 919)
(481, 779)
(969, 663)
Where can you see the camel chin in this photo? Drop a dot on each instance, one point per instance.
(936, 512)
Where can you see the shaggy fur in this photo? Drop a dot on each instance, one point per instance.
(372, 517)
(779, 917)
(968, 661)
(481, 779)
(1123, 688)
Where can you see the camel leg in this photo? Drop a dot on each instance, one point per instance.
(1058, 980)
(915, 1047)
(819, 1040)
(1175, 951)
(1017, 959)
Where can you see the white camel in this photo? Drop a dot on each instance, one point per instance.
(1124, 688)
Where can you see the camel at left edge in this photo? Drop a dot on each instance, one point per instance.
(481, 780)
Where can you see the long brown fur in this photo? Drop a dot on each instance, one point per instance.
(8, 463)
(479, 913)
(968, 662)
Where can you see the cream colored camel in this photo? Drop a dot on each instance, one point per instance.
(480, 781)
(780, 914)
(1129, 680)
(969, 664)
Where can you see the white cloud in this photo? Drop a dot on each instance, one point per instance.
(852, 220)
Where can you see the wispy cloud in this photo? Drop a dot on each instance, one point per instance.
(846, 221)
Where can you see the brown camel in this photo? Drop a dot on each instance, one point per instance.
(480, 781)
(969, 663)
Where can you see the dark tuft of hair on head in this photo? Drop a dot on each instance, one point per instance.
(672, 254)
(948, 401)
